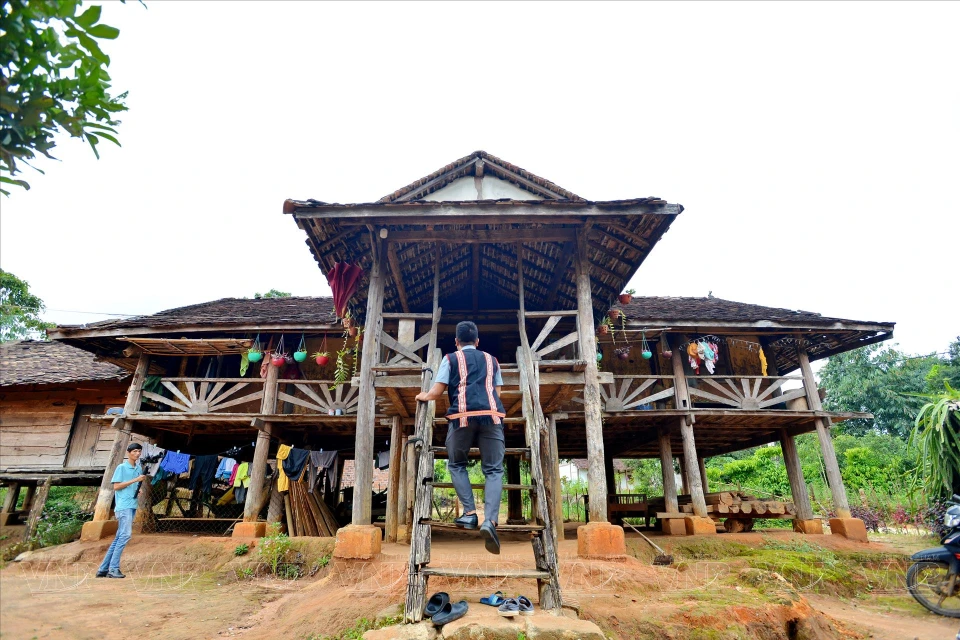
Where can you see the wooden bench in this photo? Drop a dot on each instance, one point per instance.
(628, 505)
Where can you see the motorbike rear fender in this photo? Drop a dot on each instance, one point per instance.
(938, 554)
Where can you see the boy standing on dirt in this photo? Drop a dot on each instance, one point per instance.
(472, 379)
(126, 480)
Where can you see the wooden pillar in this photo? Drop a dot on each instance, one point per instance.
(28, 494)
(119, 451)
(275, 510)
(402, 481)
(554, 461)
(393, 488)
(840, 504)
(366, 403)
(10, 499)
(592, 402)
(701, 463)
(514, 497)
(694, 483)
(411, 485)
(144, 520)
(684, 478)
(669, 479)
(798, 487)
(261, 451)
(36, 509)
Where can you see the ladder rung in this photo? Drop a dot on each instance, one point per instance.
(475, 452)
(449, 485)
(502, 528)
(485, 573)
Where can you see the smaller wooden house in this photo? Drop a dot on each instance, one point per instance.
(48, 391)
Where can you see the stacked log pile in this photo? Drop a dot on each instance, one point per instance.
(732, 504)
(307, 514)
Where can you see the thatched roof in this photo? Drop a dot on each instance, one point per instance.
(40, 362)
(676, 309)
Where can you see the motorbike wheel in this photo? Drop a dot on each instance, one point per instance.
(928, 583)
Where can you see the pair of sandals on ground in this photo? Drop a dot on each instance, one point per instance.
(441, 610)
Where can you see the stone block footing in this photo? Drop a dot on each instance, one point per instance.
(358, 542)
(673, 527)
(697, 526)
(601, 540)
(814, 526)
(249, 529)
(98, 530)
(849, 528)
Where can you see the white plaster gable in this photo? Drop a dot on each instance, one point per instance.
(492, 189)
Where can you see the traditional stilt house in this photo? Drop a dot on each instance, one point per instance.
(539, 269)
(48, 391)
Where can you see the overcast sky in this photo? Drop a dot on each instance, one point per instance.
(814, 146)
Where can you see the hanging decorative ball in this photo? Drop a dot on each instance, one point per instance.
(254, 356)
(667, 354)
(646, 354)
(599, 356)
(300, 356)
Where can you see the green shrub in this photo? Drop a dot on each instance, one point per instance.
(241, 549)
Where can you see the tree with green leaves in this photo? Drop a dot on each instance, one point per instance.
(884, 382)
(19, 310)
(53, 79)
(273, 293)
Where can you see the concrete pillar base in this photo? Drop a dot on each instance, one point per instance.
(358, 541)
(673, 527)
(98, 530)
(808, 527)
(601, 540)
(697, 526)
(249, 529)
(849, 528)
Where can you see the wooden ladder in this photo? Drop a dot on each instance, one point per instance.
(543, 534)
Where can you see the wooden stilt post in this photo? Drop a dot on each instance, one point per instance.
(366, 405)
(684, 478)
(554, 462)
(29, 492)
(840, 504)
(514, 499)
(694, 483)
(798, 487)
(402, 482)
(393, 488)
(9, 503)
(36, 509)
(592, 402)
(258, 470)
(669, 478)
(119, 451)
(702, 464)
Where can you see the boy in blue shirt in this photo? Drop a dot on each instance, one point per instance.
(126, 480)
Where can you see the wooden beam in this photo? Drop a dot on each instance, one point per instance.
(394, 396)
(261, 450)
(563, 264)
(695, 484)
(436, 211)
(640, 241)
(366, 406)
(592, 401)
(666, 466)
(798, 486)
(483, 236)
(475, 275)
(397, 274)
(393, 484)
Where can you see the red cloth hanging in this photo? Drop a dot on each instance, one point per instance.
(343, 280)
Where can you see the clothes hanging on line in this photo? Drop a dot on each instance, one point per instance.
(323, 463)
(383, 460)
(225, 468)
(175, 462)
(763, 363)
(242, 476)
(151, 452)
(240, 494)
(283, 482)
(693, 355)
(295, 463)
(204, 469)
(227, 497)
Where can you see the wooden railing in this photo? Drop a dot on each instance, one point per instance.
(540, 349)
(317, 397)
(208, 395)
(742, 392)
(634, 393)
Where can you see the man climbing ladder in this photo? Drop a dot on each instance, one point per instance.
(472, 379)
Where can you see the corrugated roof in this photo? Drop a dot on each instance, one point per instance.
(226, 312)
(647, 308)
(40, 362)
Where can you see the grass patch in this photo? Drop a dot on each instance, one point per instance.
(362, 626)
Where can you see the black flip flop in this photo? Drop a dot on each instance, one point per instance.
(450, 612)
(436, 603)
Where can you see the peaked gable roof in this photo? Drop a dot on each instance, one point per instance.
(480, 163)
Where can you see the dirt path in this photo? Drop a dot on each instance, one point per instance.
(888, 624)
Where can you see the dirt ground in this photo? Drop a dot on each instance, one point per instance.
(726, 586)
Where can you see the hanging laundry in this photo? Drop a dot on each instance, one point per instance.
(233, 475)
(227, 497)
(383, 460)
(204, 469)
(693, 355)
(283, 482)
(244, 364)
(225, 468)
(763, 363)
(294, 464)
(175, 462)
(240, 494)
(709, 356)
(323, 463)
(242, 477)
(154, 453)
